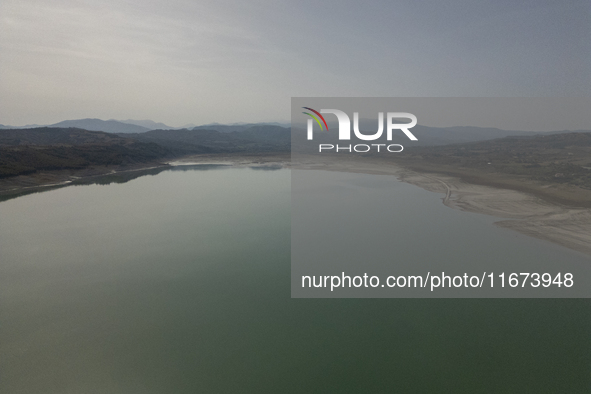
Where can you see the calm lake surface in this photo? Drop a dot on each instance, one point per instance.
(179, 282)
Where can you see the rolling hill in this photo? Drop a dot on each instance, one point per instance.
(26, 151)
(108, 126)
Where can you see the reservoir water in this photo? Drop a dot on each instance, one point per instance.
(178, 281)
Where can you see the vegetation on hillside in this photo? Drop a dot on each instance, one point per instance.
(556, 158)
(262, 138)
(26, 151)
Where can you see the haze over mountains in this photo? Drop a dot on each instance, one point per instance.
(434, 136)
(216, 137)
(147, 123)
(141, 126)
(229, 128)
(427, 136)
(108, 126)
(561, 157)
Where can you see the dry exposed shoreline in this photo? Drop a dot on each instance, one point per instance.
(566, 226)
(519, 211)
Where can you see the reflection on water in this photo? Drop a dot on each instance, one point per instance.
(126, 176)
(179, 282)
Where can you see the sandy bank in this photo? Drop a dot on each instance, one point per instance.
(526, 213)
(519, 211)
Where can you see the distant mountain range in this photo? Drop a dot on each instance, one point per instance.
(540, 156)
(141, 126)
(149, 124)
(427, 136)
(108, 126)
(229, 128)
(21, 127)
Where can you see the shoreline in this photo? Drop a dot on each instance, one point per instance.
(16, 186)
(520, 211)
(526, 213)
(38, 182)
(530, 215)
(237, 160)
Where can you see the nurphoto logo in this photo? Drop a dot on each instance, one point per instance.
(345, 130)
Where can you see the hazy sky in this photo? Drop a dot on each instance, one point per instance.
(181, 61)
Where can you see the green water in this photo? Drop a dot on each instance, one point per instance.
(179, 282)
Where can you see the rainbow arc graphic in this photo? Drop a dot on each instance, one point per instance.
(315, 118)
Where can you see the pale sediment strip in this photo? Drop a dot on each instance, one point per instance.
(528, 214)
